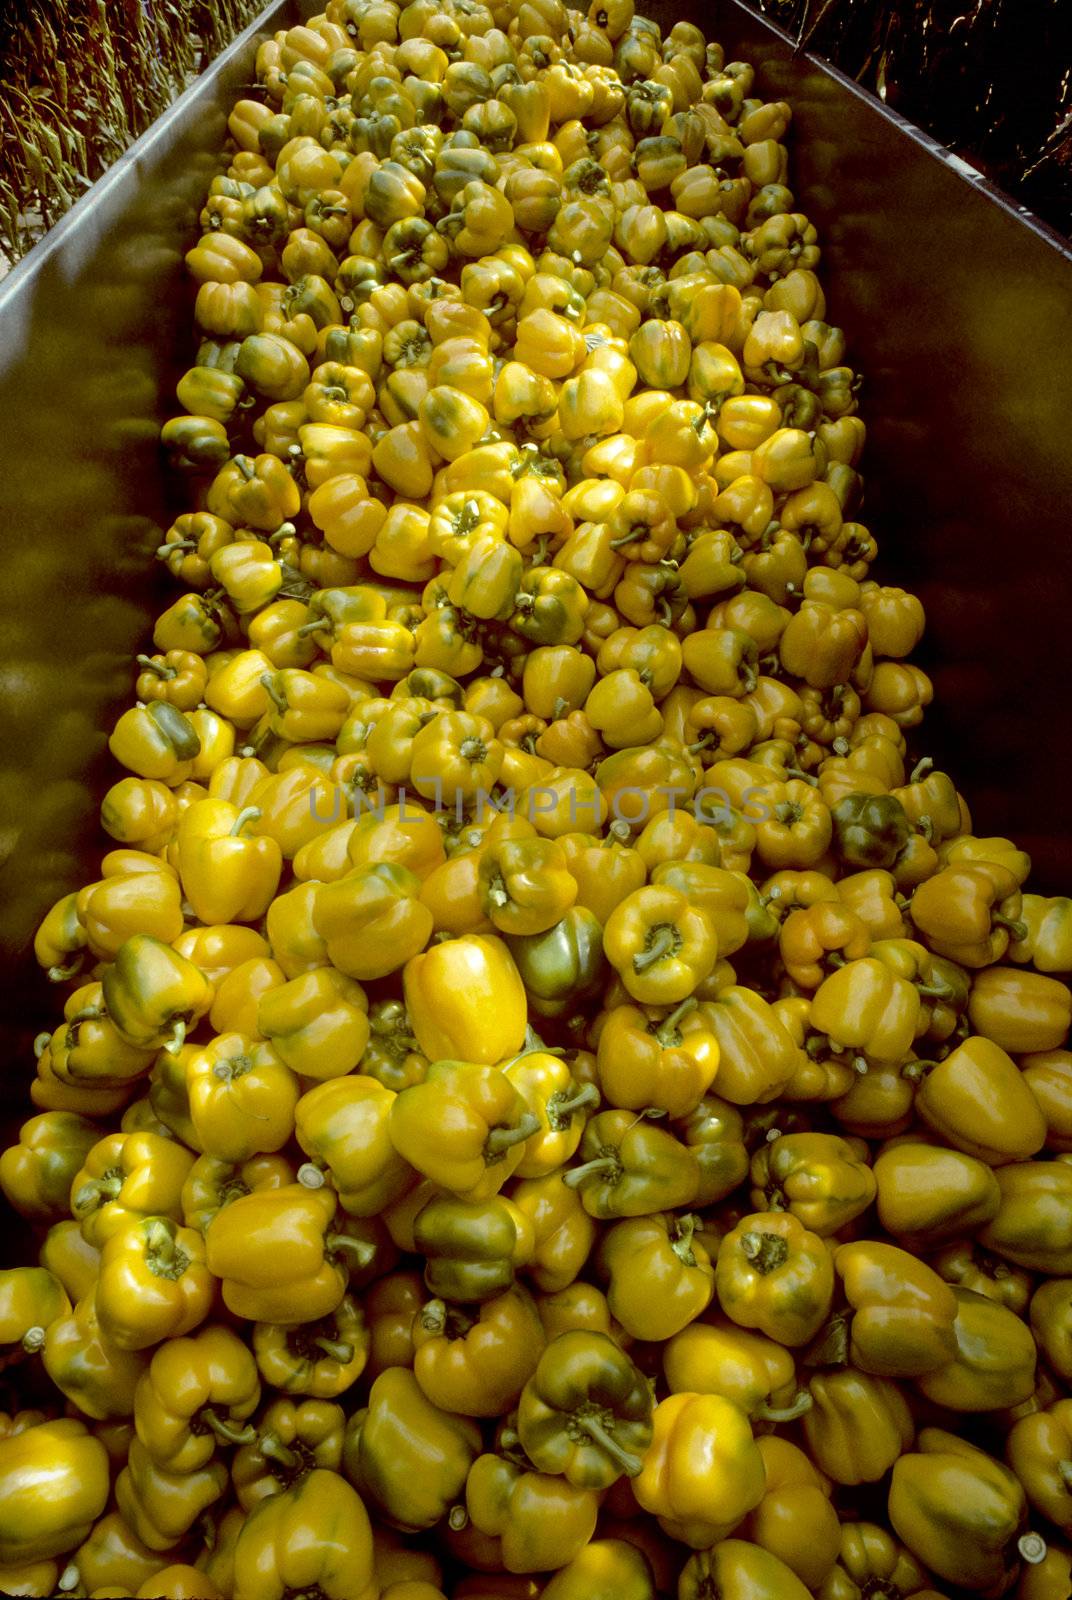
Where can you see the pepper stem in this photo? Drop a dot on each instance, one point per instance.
(228, 1432)
(247, 814)
(275, 694)
(662, 943)
(41, 1044)
(1064, 1469)
(801, 1402)
(316, 626)
(499, 1140)
(579, 1175)
(667, 1028)
(311, 1176)
(682, 1245)
(563, 1110)
(276, 1450)
(176, 1038)
(434, 1317)
(161, 668)
(32, 1340)
(359, 1253)
(1017, 931)
(766, 1251)
(606, 1441)
(921, 768)
(458, 1518)
(1032, 1547)
(68, 1579)
(335, 1349)
(61, 974)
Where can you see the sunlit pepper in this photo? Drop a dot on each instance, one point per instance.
(959, 1511)
(242, 1097)
(864, 1006)
(525, 884)
(668, 1062)
(659, 1277)
(153, 1283)
(53, 1486)
(317, 1023)
(717, 1357)
(660, 945)
(30, 1299)
(156, 741)
(276, 1255)
(758, 1055)
(372, 920)
(126, 1176)
(700, 1492)
(465, 996)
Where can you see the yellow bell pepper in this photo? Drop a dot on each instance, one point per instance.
(994, 1365)
(773, 1275)
(409, 1458)
(197, 1395)
(903, 1314)
(161, 1506)
(317, 1023)
(477, 1366)
(30, 1299)
(717, 1357)
(53, 1486)
(660, 1278)
(242, 1097)
(153, 994)
(978, 1101)
(465, 1127)
(92, 1372)
(314, 1536)
(372, 920)
(927, 1192)
(1020, 1011)
(465, 996)
(795, 1521)
(321, 1359)
(959, 1511)
(1033, 1227)
(153, 1283)
(37, 1172)
(856, 1426)
(547, 1087)
(538, 1523)
(700, 1491)
(343, 1126)
(126, 1176)
(226, 875)
(660, 945)
(819, 1177)
(277, 1256)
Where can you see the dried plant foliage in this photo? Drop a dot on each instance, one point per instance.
(991, 79)
(79, 81)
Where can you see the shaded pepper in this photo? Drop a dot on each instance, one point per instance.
(605, 1569)
(717, 1357)
(631, 1168)
(978, 1100)
(903, 1313)
(406, 1455)
(856, 1426)
(93, 1373)
(30, 1299)
(564, 966)
(927, 1192)
(562, 1231)
(525, 885)
(1020, 1011)
(37, 1172)
(795, 1521)
(870, 1555)
(321, 1359)
(659, 1277)
(773, 1275)
(994, 1365)
(1039, 1450)
(291, 1439)
(465, 1127)
(959, 1511)
(471, 1247)
(870, 830)
(819, 1177)
(968, 912)
(313, 1538)
(1033, 1225)
(477, 1365)
(539, 1522)
(758, 1055)
(714, 1132)
(153, 994)
(162, 1506)
(735, 1569)
(586, 1411)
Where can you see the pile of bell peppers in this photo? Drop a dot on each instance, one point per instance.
(553, 1097)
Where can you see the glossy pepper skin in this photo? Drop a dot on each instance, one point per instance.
(342, 1125)
(774, 1275)
(994, 1365)
(36, 1173)
(465, 999)
(586, 1411)
(227, 875)
(646, 1059)
(870, 1555)
(968, 911)
(196, 1396)
(321, 1359)
(1033, 1225)
(857, 1426)
(477, 1365)
(539, 1522)
(465, 1127)
(471, 1247)
(317, 1023)
(291, 1439)
(30, 1299)
(795, 1520)
(903, 1314)
(153, 1283)
(53, 1486)
(276, 1256)
(153, 994)
(738, 1570)
(978, 1100)
(92, 1372)
(563, 967)
(126, 1176)
(631, 1168)
(702, 1472)
(660, 1278)
(819, 1177)
(959, 1511)
(866, 1007)
(660, 945)
(313, 1538)
(406, 1456)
